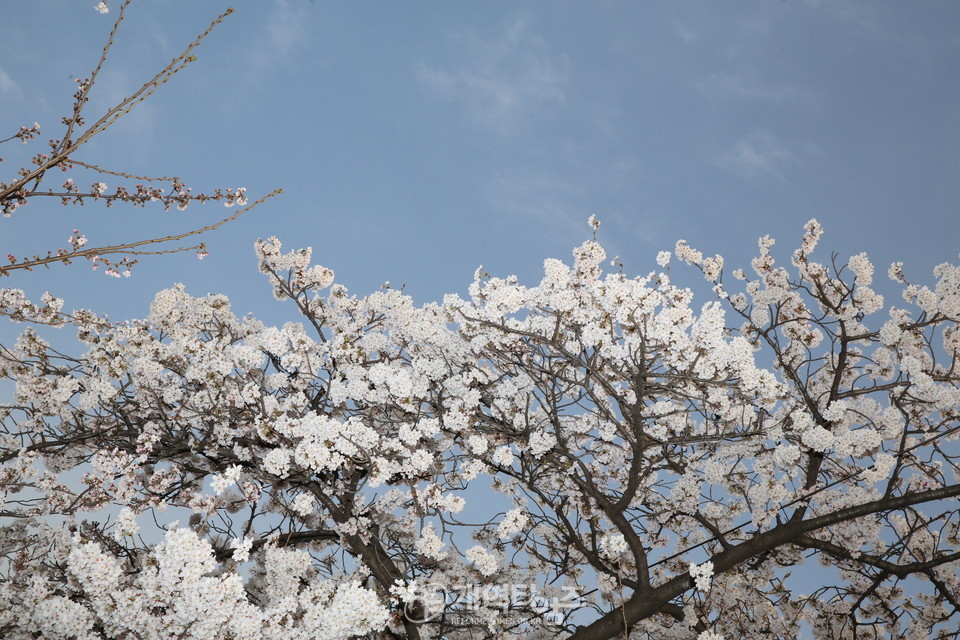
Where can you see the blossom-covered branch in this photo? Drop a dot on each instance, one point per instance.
(659, 472)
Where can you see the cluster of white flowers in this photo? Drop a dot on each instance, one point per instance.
(242, 547)
(77, 240)
(235, 197)
(686, 253)
(126, 524)
(587, 260)
(701, 574)
(513, 522)
(477, 444)
(430, 543)
(485, 562)
(197, 606)
(862, 269)
(817, 438)
(352, 611)
(303, 504)
(503, 456)
(613, 545)
(277, 462)
(228, 478)
(362, 437)
(541, 442)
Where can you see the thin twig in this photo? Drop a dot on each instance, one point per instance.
(129, 248)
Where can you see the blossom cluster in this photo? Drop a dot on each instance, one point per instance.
(327, 465)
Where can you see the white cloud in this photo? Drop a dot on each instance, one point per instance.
(541, 198)
(685, 33)
(285, 30)
(8, 86)
(757, 155)
(878, 22)
(862, 15)
(739, 86)
(502, 79)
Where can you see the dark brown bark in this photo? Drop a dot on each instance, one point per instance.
(644, 605)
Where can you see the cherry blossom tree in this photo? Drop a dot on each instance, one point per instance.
(589, 457)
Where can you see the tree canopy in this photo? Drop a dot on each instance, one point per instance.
(592, 456)
(662, 470)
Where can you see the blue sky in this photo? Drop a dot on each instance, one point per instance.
(416, 141)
